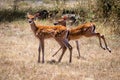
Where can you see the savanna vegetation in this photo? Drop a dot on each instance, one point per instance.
(19, 47)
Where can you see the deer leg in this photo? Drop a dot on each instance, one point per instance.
(65, 41)
(63, 51)
(39, 50)
(57, 51)
(98, 35)
(105, 43)
(42, 44)
(78, 49)
(66, 37)
(89, 34)
(62, 46)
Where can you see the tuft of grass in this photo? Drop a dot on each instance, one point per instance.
(18, 56)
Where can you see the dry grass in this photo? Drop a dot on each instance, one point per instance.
(18, 57)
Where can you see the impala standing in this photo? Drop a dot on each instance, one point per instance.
(44, 32)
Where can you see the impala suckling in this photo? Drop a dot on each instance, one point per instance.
(87, 30)
(59, 33)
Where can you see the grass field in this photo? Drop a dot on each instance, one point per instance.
(18, 56)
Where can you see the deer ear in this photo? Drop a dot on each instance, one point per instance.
(28, 14)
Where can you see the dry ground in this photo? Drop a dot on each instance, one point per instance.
(18, 57)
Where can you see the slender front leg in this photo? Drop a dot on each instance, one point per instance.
(42, 46)
(39, 50)
(78, 49)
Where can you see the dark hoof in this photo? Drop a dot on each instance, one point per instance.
(78, 57)
(110, 51)
(104, 48)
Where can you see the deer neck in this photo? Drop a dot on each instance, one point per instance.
(33, 27)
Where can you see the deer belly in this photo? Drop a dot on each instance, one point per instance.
(45, 36)
(48, 36)
(75, 37)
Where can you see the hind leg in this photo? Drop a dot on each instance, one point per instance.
(64, 44)
(91, 32)
(78, 49)
(56, 51)
(105, 43)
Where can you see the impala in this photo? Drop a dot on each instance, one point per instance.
(62, 22)
(45, 32)
(86, 29)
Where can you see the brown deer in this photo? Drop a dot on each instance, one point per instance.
(44, 32)
(62, 22)
(87, 30)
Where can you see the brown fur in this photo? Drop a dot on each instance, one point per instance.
(53, 30)
(49, 30)
(44, 32)
(77, 32)
(86, 29)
